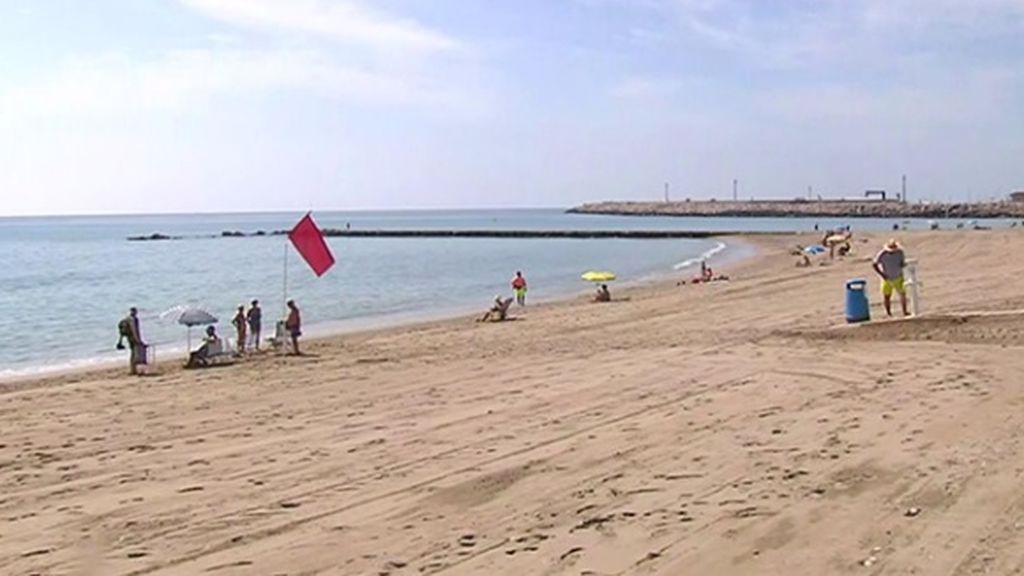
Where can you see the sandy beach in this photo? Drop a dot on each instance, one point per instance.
(732, 428)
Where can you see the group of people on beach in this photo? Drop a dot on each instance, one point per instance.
(248, 326)
(499, 310)
(889, 264)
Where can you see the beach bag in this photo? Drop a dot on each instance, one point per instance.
(124, 330)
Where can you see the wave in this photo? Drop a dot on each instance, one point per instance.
(706, 255)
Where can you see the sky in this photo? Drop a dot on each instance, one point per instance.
(138, 106)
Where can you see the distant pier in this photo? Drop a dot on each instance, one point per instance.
(807, 209)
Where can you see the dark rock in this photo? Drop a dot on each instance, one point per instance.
(154, 236)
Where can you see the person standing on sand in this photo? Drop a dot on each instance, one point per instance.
(240, 322)
(889, 264)
(255, 318)
(294, 326)
(130, 330)
(519, 286)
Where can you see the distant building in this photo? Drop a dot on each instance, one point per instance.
(1017, 196)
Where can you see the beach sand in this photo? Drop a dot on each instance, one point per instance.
(732, 428)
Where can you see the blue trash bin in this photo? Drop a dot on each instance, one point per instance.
(857, 301)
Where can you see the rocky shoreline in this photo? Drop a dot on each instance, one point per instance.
(806, 209)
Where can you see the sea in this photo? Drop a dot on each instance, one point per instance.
(66, 281)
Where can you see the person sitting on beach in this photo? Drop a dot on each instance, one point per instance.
(201, 356)
(804, 262)
(499, 311)
(706, 274)
(603, 295)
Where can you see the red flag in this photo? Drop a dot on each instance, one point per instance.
(309, 241)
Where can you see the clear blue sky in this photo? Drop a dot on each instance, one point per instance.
(221, 105)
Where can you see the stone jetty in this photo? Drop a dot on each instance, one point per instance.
(807, 209)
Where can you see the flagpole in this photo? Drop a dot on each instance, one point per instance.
(284, 284)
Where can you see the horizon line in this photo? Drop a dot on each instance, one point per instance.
(278, 211)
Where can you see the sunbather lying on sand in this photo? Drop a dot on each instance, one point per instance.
(704, 279)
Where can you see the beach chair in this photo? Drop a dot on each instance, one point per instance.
(498, 312)
(218, 353)
(147, 360)
(221, 353)
(280, 337)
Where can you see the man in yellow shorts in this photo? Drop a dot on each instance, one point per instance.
(889, 264)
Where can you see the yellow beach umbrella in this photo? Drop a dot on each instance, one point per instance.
(595, 276)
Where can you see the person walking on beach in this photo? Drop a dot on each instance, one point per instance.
(255, 318)
(131, 331)
(294, 326)
(519, 286)
(889, 264)
(240, 323)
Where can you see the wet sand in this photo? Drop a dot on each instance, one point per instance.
(731, 428)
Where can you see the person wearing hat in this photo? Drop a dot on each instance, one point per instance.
(889, 264)
(255, 318)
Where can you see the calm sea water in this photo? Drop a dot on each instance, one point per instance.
(66, 281)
